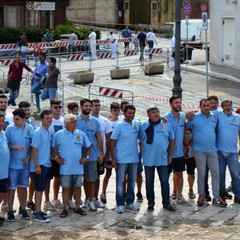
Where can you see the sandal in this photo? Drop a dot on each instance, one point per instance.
(191, 195)
(63, 214)
(80, 211)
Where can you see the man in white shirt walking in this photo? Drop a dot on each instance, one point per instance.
(151, 39)
(92, 39)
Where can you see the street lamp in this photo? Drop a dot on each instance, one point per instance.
(177, 79)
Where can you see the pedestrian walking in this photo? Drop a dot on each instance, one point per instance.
(151, 39)
(93, 44)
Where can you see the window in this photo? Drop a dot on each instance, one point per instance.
(154, 6)
(13, 16)
(126, 5)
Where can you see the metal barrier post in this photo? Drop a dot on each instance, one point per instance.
(90, 65)
(117, 61)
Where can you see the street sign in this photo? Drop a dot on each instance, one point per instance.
(203, 7)
(204, 21)
(187, 9)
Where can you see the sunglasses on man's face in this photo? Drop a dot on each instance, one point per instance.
(56, 107)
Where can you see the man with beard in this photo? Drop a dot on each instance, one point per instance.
(92, 128)
(177, 120)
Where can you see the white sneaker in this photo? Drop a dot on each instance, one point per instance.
(98, 204)
(120, 209)
(71, 205)
(182, 201)
(86, 203)
(92, 206)
(4, 207)
(48, 206)
(57, 204)
(132, 206)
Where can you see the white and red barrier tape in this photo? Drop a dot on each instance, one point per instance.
(59, 44)
(107, 41)
(130, 53)
(155, 50)
(166, 100)
(123, 40)
(104, 55)
(81, 42)
(5, 62)
(108, 92)
(75, 57)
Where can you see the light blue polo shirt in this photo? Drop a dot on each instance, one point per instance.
(42, 142)
(178, 125)
(4, 156)
(126, 148)
(203, 132)
(90, 127)
(17, 136)
(32, 122)
(156, 153)
(42, 69)
(70, 149)
(227, 131)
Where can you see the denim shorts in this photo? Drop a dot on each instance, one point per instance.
(90, 171)
(3, 185)
(67, 181)
(18, 178)
(40, 181)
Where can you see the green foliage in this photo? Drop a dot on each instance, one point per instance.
(11, 35)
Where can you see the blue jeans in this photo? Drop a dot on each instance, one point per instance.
(163, 177)
(50, 93)
(35, 89)
(230, 160)
(131, 170)
(13, 94)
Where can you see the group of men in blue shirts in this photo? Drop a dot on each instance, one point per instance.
(80, 148)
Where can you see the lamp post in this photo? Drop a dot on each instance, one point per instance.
(177, 79)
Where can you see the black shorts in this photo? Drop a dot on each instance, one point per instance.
(55, 169)
(191, 165)
(3, 185)
(40, 181)
(177, 165)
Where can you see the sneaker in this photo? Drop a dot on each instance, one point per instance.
(31, 205)
(4, 207)
(86, 203)
(139, 197)
(71, 205)
(92, 206)
(39, 217)
(225, 195)
(36, 111)
(182, 201)
(150, 207)
(103, 198)
(57, 204)
(200, 202)
(2, 219)
(173, 196)
(229, 188)
(219, 202)
(207, 198)
(48, 206)
(132, 206)
(191, 195)
(10, 216)
(23, 214)
(170, 208)
(98, 204)
(43, 213)
(120, 209)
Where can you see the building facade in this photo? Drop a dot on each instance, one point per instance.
(225, 20)
(32, 14)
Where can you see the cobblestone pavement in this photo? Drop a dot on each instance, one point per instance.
(188, 222)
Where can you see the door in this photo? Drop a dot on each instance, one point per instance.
(228, 40)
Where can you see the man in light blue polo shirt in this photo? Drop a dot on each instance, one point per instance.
(205, 152)
(19, 136)
(69, 142)
(124, 152)
(41, 164)
(157, 147)
(177, 120)
(4, 163)
(227, 139)
(92, 128)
